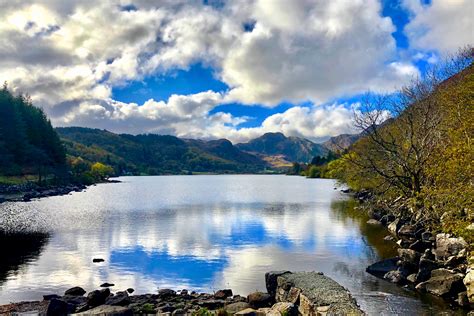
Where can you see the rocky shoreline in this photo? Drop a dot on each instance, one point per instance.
(299, 293)
(30, 190)
(438, 264)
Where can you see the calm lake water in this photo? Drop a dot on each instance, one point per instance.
(197, 232)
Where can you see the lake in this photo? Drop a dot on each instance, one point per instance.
(200, 233)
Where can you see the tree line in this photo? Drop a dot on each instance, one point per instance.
(29, 145)
(418, 163)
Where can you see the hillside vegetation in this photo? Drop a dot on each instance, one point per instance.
(157, 154)
(419, 164)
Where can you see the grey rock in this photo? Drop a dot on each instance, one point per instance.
(425, 268)
(97, 297)
(223, 294)
(107, 284)
(236, 307)
(395, 276)
(107, 310)
(164, 293)
(445, 282)
(75, 291)
(260, 299)
(119, 299)
(247, 312)
(407, 231)
(447, 246)
(382, 267)
(58, 307)
(373, 222)
(271, 281)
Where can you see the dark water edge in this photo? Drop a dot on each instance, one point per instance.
(18, 250)
(374, 234)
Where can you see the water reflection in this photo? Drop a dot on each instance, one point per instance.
(205, 233)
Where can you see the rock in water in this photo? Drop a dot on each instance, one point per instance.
(98, 260)
(444, 282)
(373, 222)
(382, 267)
(75, 291)
(313, 291)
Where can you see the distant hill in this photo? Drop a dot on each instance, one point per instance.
(157, 154)
(341, 142)
(293, 149)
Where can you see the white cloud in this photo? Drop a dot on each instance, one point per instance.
(69, 55)
(443, 25)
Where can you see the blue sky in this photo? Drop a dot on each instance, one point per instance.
(235, 69)
(199, 78)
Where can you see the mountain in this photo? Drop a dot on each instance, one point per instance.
(157, 154)
(293, 149)
(341, 142)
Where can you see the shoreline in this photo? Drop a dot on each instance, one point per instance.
(29, 191)
(437, 264)
(288, 293)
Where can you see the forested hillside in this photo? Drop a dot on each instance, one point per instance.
(157, 154)
(419, 165)
(28, 143)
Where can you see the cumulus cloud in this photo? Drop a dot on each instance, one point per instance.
(441, 25)
(68, 55)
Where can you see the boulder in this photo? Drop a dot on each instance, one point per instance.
(236, 307)
(425, 268)
(130, 290)
(407, 231)
(444, 282)
(420, 245)
(312, 290)
(166, 293)
(469, 283)
(394, 226)
(75, 291)
(382, 267)
(223, 294)
(389, 238)
(409, 256)
(427, 237)
(411, 278)
(271, 281)
(387, 219)
(374, 222)
(260, 299)
(447, 246)
(97, 297)
(107, 310)
(58, 308)
(98, 260)
(119, 299)
(107, 284)
(462, 299)
(285, 308)
(395, 276)
(247, 312)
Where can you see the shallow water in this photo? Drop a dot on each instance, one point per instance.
(200, 233)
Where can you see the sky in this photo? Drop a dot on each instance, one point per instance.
(221, 69)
